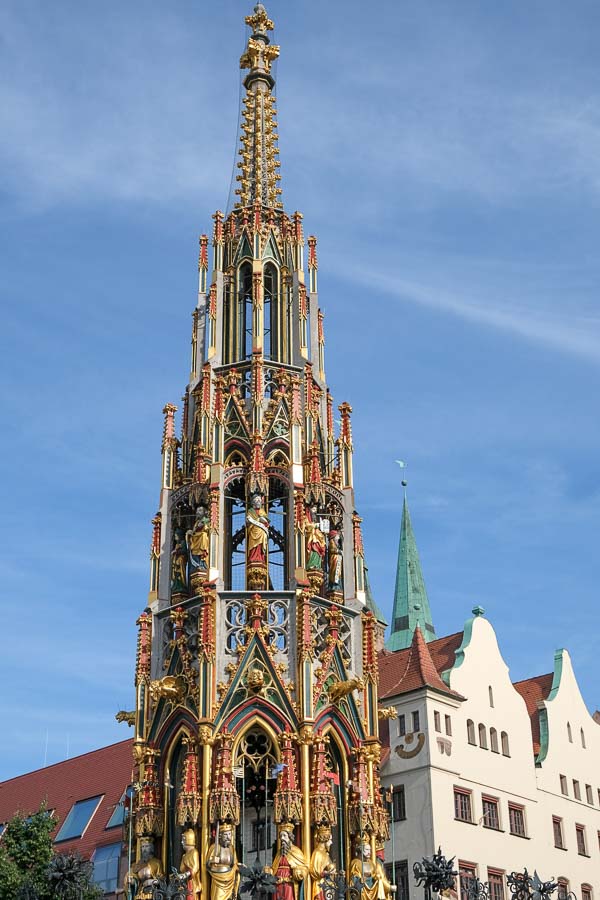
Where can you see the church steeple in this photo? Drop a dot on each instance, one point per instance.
(411, 605)
(259, 177)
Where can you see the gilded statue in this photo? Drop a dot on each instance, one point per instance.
(198, 541)
(222, 865)
(315, 542)
(190, 865)
(334, 560)
(321, 864)
(290, 866)
(179, 556)
(339, 689)
(375, 885)
(257, 530)
(144, 872)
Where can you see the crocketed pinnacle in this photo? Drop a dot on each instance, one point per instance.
(411, 606)
(259, 176)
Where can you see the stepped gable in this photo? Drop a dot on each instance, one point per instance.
(534, 691)
(418, 666)
(105, 772)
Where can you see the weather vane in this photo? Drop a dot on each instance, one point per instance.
(402, 465)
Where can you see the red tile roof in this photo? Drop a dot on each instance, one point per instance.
(105, 772)
(418, 665)
(533, 690)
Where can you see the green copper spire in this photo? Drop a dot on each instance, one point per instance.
(411, 606)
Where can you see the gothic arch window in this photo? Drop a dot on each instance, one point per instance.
(278, 528)
(569, 732)
(272, 309)
(582, 735)
(235, 535)
(255, 760)
(235, 458)
(243, 327)
(504, 742)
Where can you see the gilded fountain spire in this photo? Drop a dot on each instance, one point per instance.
(259, 177)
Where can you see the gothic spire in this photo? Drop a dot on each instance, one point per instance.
(411, 606)
(259, 178)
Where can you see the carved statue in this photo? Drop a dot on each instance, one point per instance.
(371, 874)
(179, 556)
(340, 689)
(198, 540)
(315, 542)
(124, 716)
(321, 865)
(190, 865)
(171, 687)
(222, 865)
(144, 872)
(334, 560)
(257, 530)
(290, 866)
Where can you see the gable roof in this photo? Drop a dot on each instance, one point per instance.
(533, 691)
(420, 665)
(105, 772)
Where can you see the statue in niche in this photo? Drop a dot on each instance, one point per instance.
(321, 866)
(375, 885)
(334, 560)
(222, 865)
(179, 555)
(190, 864)
(289, 866)
(315, 542)
(257, 531)
(144, 872)
(198, 542)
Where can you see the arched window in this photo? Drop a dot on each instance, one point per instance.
(494, 740)
(278, 526)
(483, 736)
(582, 735)
(256, 757)
(272, 307)
(504, 742)
(491, 696)
(563, 889)
(569, 732)
(235, 536)
(243, 324)
(471, 731)
(586, 892)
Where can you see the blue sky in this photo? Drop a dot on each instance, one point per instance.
(447, 155)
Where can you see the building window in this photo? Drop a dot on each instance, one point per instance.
(261, 835)
(416, 724)
(467, 875)
(491, 818)
(496, 883)
(399, 877)
(491, 696)
(586, 892)
(106, 867)
(563, 889)
(494, 741)
(482, 737)
(516, 819)
(398, 804)
(78, 819)
(118, 815)
(504, 742)
(471, 731)
(564, 789)
(448, 723)
(558, 833)
(589, 794)
(437, 721)
(581, 845)
(576, 789)
(582, 735)
(569, 732)
(401, 725)
(462, 805)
